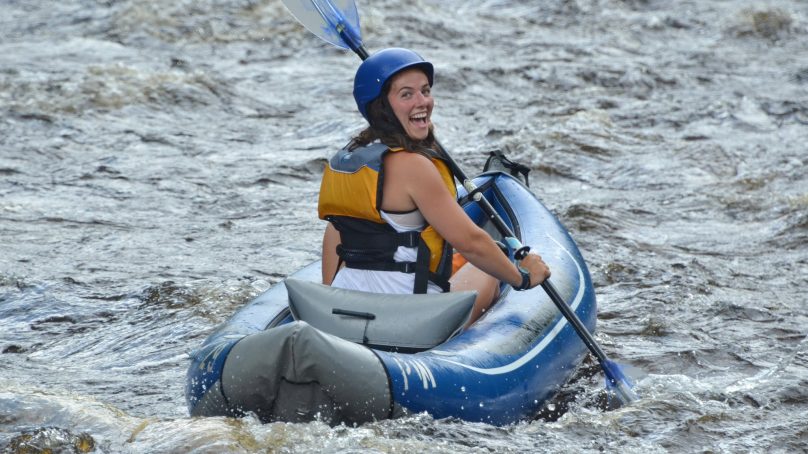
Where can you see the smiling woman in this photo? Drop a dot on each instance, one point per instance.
(394, 219)
(374, 94)
(411, 99)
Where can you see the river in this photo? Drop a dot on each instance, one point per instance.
(160, 162)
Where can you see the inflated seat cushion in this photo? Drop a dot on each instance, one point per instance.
(391, 322)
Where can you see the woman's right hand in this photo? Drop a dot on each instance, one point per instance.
(539, 271)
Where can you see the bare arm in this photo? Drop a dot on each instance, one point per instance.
(425, 189)
(331, 239)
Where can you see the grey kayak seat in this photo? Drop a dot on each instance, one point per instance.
(405, 323)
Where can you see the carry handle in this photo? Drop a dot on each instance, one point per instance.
(357, 314)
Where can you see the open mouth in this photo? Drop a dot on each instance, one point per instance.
(420, 119)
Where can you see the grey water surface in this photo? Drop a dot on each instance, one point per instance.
(160, 162)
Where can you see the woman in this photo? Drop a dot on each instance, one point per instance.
(391, 200)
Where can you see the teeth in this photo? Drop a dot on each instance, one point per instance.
(420, 116)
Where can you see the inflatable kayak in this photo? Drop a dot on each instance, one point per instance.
(302, 351)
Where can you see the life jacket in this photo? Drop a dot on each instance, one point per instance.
(351, 199)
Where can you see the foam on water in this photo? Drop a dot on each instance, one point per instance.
(160, 163)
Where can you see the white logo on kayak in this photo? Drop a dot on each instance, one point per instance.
(415, 367)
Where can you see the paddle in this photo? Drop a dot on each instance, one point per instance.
(337, 22)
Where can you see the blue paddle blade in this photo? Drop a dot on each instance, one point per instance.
(334, 21)
(618, 383)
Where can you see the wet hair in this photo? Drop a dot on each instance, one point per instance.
(385, 127)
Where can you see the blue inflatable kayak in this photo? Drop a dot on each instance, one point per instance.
(302, 351)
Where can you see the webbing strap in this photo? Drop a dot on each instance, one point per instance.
(368, 246)
(421, 268)
(379, 261)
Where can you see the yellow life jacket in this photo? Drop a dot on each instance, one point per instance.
(351, 199)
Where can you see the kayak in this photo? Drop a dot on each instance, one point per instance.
(303, 351)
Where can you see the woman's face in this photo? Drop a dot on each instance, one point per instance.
(410, 97)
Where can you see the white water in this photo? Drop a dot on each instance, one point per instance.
(160, 160)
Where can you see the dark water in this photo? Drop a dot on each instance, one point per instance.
(160, 160)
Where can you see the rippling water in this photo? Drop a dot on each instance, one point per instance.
(160, 160)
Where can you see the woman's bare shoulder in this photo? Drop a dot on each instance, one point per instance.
(408, 161)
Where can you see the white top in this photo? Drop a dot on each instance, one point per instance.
(388, 281)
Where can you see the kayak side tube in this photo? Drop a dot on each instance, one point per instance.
(296, 373)
(507, 365)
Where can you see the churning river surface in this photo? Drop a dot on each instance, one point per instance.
(160, 162)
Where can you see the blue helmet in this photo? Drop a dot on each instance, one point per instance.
(381, 66)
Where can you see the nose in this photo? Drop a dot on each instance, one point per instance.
(421, 98)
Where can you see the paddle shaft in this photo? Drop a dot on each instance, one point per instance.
(548, 287)
(506, 231)
(355, 46)
(612, 371)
